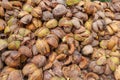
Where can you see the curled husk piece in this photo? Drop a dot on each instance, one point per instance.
(98, 25)
(29, 68)
(62, 48)
(2, 24)
(88, 49)
(65, 22)
(22, 14)
(31, 27)
(52, 23)
(9, 73)
(26, 19)
(113, 62)
(39, 60)
(112, 28)
(11, 58)
(57, 78)
(27, 8)
(59, 32)
(36, 75)
(72, 2)
(59, 10)
(76, 23)
(42, 32)
(24, 32)
(14, 45)
(3, 44)
(91, 7)
(117, 73)
(112, 42)
(52, 40)
(88, 24)
(2, 11)
(83, 62)
(91, 75)
(81, 15)
(103, 44)
(36, 12)
(32, 71)
(101, 60)
(6, 5)
(15, 74)
(24, 50)
(71, 71)
(36, 22)
(15, 37)
(59, 40)
(42, 47)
